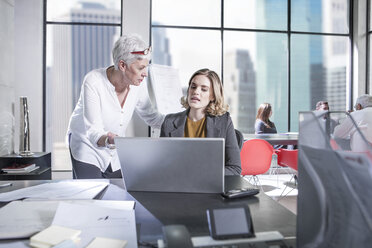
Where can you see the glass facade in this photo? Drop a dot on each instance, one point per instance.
(288, 53)
(80, 37)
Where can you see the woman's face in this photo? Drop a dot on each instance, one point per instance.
(200, 92)
(136, 72)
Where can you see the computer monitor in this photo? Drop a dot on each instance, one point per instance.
(334, 197)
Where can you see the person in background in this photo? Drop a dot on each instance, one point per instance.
(107, 100)
(205, 116)
(330, 123)
(363, 119)
(322, 105)
(263, 123)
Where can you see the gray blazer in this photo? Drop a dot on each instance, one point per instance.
(217, 127)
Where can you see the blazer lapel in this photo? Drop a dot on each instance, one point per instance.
(213, 130)
(179, 125)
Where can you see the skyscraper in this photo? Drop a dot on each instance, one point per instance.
(77, 49)
(240, 83)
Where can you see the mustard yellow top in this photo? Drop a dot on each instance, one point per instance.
(195, 129)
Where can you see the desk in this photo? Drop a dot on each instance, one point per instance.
(153, 210)
(275, 138)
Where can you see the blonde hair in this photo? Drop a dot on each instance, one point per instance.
(263, 114)
(217, 106)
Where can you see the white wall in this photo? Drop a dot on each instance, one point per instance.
(29, 67)
(6, 76)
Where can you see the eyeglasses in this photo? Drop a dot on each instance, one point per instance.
(144, 52)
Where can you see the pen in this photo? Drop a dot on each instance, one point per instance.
(5, 185)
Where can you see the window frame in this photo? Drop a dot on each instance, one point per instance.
(288, 32)
(45, 26)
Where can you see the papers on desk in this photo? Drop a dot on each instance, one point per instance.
(97, 221)
(21, 219)
(59, 190)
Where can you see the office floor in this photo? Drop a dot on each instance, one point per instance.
(281, 188)
(272, 184)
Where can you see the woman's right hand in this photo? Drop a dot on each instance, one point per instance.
(111, 137)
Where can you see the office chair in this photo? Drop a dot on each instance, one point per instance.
(239, 138)
(256, 155)
(288, 158)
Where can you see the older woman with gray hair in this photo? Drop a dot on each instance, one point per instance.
(107, 100)
(363, 120)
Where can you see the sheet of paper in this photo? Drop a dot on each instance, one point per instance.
(167, 88)
(60, 190)
(21, 219)
(97, 221)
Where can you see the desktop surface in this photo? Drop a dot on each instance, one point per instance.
(153, 210)
(275, 138)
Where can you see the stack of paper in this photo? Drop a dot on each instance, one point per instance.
(53, 235)
(20, 168)
(100, 242)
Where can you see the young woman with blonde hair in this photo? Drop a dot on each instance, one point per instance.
(205, 116)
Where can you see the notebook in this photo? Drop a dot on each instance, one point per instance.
(190, 165)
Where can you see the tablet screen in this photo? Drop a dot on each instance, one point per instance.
(231, 221)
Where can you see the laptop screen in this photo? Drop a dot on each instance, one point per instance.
(191, 165)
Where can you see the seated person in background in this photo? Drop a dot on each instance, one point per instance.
(263, 123)
(205, 116)
(323, 106)
(363, 119)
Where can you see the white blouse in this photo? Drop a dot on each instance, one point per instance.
(363, 119)
(98, 112)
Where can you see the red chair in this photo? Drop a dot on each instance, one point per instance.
(288, 158)
(256, 155)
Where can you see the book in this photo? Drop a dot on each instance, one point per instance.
(20, 168)
(20, 171)
(53, 235)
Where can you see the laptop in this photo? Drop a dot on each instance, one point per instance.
(189, 165)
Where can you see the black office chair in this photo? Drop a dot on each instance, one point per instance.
(239, 138)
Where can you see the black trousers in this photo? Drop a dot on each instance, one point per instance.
(81, 170)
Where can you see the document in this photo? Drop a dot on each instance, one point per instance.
(97, 221)
(22, 219)
(167, 88)
(59, 190)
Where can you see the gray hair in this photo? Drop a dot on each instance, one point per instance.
(364, 100)
(127, 44)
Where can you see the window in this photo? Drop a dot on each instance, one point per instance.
(290, 53)
(80, 36)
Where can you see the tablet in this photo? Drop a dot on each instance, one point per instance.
(230, 223)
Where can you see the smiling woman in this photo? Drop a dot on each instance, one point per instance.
(108, 98)
(205, 116)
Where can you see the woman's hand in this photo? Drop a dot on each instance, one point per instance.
(107, 139)
(111, 137)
